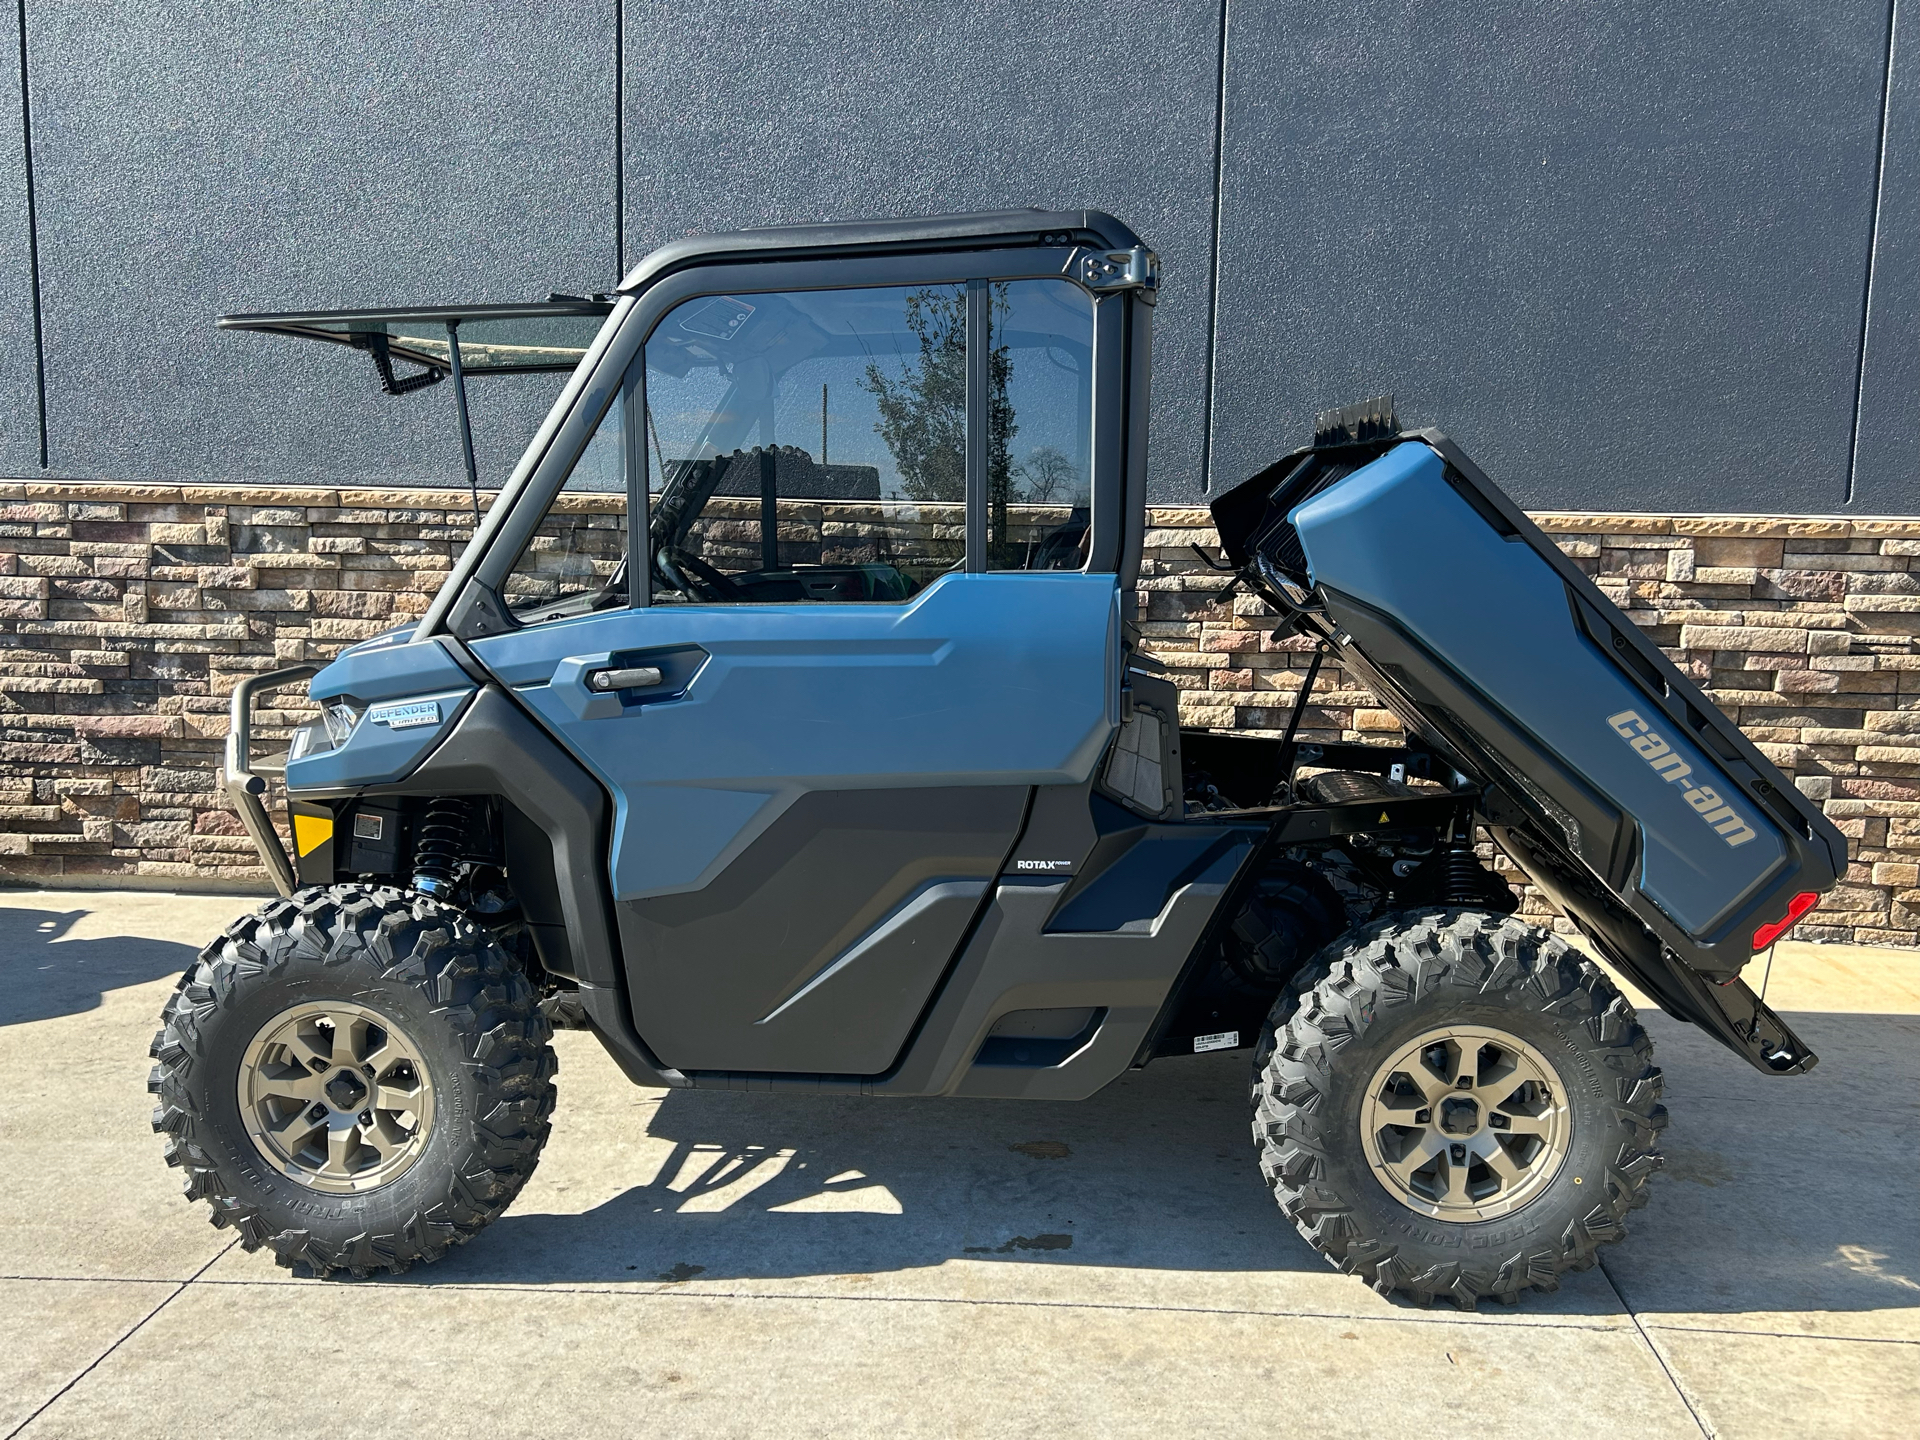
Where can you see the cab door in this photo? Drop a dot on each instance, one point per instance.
(872, 599)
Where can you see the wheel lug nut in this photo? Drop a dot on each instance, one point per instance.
(1457, 1153)
(319, 1112)
(1498, 1122)
(316, 1066)
(1465, 1082)
(1423, 1117)
(367, 1070)
(366, 1117)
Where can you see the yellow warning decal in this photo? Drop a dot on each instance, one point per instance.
(310, 832)
(1383, 820)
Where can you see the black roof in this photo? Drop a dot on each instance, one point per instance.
(933, 232)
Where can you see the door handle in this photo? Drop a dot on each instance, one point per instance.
(638, 677)
(594, 688)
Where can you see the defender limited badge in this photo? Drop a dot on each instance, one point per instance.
(1668, 765)
(405, 715)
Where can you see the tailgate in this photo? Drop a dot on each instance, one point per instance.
(1636, 805)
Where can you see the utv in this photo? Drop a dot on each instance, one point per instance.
(786, 723)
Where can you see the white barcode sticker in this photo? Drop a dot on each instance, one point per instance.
(1225, 1040)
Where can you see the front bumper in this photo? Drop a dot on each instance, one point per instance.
(245, 779)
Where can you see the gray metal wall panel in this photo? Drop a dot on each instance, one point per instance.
(1886, 474)
(195, 157)
(750, 113)
(19, 408)
(1617, 249)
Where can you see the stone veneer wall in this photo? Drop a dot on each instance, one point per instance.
(127, 612)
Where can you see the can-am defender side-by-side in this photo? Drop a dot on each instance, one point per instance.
(786, 724)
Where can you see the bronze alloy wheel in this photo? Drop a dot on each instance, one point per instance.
(335, 1096)
(1465, 1123)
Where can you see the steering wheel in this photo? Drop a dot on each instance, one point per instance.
(695, 575)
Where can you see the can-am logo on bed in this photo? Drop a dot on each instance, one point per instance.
(1668, 765)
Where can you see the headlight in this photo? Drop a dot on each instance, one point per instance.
(339, 718)
(306, 741)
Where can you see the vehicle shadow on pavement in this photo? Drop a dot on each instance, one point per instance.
(1155, 1172)
(1781, 1194)
(43, 975)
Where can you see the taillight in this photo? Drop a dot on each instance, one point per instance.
(1796, 907)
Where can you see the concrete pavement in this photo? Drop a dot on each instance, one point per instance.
(719, 1264)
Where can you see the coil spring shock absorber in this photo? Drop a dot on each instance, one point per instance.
(1466, 881)
(437, 844)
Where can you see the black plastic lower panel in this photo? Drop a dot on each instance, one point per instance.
(818, 947)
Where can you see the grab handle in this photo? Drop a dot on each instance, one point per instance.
(638, 677)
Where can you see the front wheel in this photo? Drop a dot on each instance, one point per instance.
(357, 1077)
(1455, 1103)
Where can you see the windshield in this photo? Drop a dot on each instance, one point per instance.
(551, 335)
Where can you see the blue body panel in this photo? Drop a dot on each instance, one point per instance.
(378, 676)
(382, 670)
(1009, 679)
(1397, 538)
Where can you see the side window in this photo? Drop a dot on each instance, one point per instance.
(575, 561)
(807, 446)
(812, 445)
(1040, 425)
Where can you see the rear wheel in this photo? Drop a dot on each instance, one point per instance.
(1288, 916)
(357, 1077)
(1455, 1103)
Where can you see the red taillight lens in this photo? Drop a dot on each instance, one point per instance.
(1796, 907)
